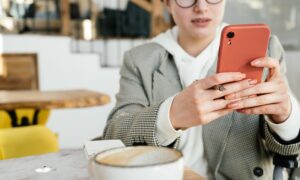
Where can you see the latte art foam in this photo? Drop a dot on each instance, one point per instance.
(138, 156)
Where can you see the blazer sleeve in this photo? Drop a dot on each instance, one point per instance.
(273, 142)
(133, 119)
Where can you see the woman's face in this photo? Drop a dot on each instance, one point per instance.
(198, 21)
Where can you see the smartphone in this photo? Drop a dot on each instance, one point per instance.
(241, 44)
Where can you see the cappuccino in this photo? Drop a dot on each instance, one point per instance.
(138, 156)
(138, 162)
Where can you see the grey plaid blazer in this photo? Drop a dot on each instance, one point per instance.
(237, 146)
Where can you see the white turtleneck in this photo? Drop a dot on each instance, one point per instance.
(192, 68)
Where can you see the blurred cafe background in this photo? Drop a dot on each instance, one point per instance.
(79, 44)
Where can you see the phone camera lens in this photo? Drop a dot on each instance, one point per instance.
(230, 34)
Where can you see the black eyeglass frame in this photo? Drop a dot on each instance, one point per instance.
(195, 1)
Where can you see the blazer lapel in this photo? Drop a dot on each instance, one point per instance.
(166, 80)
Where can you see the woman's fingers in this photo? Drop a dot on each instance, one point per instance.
(263, 88)
(220, 78)
(231, 88)
(189, 107)
(257, 101)
(215, 105)
(268, 62)
(265, 109)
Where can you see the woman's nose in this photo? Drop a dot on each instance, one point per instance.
(201, 5)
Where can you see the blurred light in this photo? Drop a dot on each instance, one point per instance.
(7, 23)
(44, 169)
(291, 23)
(256, 4)
(3, 70)
(1, 43)
(24, 1)
(5, 4)
(87, 29)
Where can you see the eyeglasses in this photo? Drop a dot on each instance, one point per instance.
(190, 3)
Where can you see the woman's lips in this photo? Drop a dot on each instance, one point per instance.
(201, 22)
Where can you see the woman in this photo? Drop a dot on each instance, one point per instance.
(167, 98)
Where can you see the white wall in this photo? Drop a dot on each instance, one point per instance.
(59, 69)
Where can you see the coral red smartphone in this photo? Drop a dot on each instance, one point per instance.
(241, 44)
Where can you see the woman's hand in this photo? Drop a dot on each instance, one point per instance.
(199, 104)
(269, 98)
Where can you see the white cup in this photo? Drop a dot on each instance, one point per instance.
(137, 163)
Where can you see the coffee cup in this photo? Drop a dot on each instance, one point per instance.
(137, 163)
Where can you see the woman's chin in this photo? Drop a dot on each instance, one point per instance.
(202, 34)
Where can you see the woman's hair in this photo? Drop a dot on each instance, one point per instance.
(172, 22)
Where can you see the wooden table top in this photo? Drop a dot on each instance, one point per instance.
(35, 99)
(67, 164)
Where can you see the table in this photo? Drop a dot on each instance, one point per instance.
(51, 99)
(35, 99)
(66, 164)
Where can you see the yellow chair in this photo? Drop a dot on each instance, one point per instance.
(26, 141)
(6, 121)
(23, 131)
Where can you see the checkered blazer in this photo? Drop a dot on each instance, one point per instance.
(236, 145)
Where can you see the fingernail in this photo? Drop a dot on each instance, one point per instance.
(252, 81)
(257, 62)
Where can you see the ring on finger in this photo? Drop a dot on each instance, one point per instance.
(219, 87)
